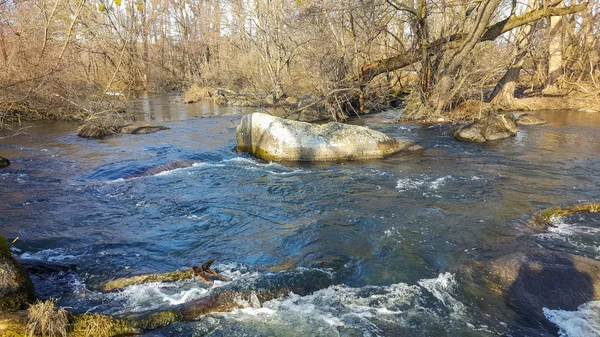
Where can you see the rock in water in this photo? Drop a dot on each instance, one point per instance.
(529, 119)
(4, 162)
(139, 129)
(488, 128)
(16, 289)
(100, 128)
(278, 139)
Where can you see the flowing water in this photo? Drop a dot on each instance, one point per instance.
(390, 236)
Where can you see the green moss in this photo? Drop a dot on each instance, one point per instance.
(542, 218)
(157, 320)
(4, 249)
(100, 326)
(16, 290)
(141, 279)
(13, 324)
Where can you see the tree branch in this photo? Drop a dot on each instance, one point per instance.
(370, 70)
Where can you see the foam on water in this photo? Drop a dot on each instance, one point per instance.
(429, 185)
(237, 162)
(155, 295)
(50, 255)
(150, 296)
(584, 322)
(441, 288)
(579, 235)
(340, 306)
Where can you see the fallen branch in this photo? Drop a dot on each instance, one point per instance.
(164, 277)
(13, 242)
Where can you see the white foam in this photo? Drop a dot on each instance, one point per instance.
(585, 322)
(50, 255)
(442, 287)
(153, 295)
(426, 182)
(581, 236)
(405, 184)
(357, 308)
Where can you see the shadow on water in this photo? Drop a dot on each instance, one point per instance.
(548, 281)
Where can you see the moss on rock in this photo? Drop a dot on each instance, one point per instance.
(16, 289)
(146, 278)
(541, 219)
(100, 326)
(13, 324)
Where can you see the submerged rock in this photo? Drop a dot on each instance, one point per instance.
(531, 281)
(101, 128)
(143, 128)
(529, 119)
(279, 139)
(488, 128)
(150, 171)
(16, 289)
(4, 162)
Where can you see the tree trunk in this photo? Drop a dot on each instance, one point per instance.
(555, 54)
(504, 92)
(503, 96)
(406, 58)
(442, 93)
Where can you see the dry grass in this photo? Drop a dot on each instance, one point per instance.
(198, 93)
(100, 127)
(47, 320)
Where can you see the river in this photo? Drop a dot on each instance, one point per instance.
(392, 235)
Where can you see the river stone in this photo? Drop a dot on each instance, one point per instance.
(531, 281)
(529, 119)
(4, 162)
(488, 128)
(142, 128)
(16, 289)
(278, 139)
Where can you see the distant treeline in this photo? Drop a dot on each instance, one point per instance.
(66, 58)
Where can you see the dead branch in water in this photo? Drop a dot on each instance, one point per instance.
(172, 276)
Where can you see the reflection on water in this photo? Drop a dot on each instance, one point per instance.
(382, 228)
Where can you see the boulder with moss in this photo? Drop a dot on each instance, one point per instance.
(278, 139)
(16, 289)
(542, 219)
(489, 128)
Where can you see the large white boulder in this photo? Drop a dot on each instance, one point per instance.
(277, 139)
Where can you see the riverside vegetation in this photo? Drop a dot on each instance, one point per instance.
(441, 60)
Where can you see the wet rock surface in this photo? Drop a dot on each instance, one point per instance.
(16, 289)
(272, 138)
(488, 128)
